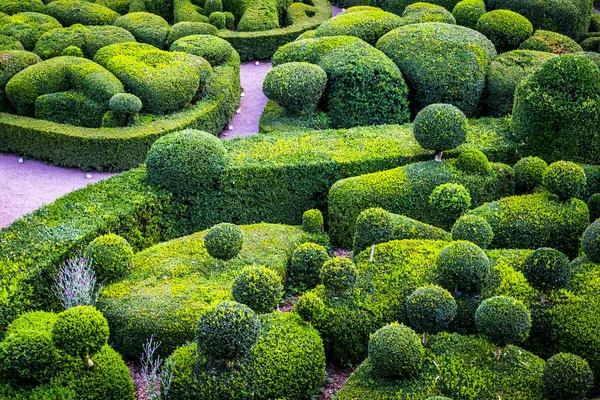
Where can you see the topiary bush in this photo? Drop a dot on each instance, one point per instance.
(28, 354)
(338, 275)
(593, 204)
(462, 267)
(529, 173)
(146, 28)
(224, 241)
(468, 12)
(11, 63)
(27, 28)
(590, 242)
(305, 265)
(567, 376)
(473, 229)
(547, 269)
(551, 42)
(440, 127)
(259, 288)
(71, 12)
(213, 49)
(296, 86)
(591, 44)
(374, 225)
(448, 202)
(80, 331)
(312, 221)
(426, 12)
(430, 309)
(111, 257)
(72, 51)
(395, 351)
(505, 28)
(473, 161)
(211, 6)
(125, 103)
(310, 50)
(10, 43)
(186, 163)
(11, 7)
(557, 110)
(309, 307)
(565, 179)
(185, 29)
(218, 20)
(503, 320)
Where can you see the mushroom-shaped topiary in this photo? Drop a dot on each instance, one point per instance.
(473, 161)
(259, 288)
(28, 354)
(81, 332)
(296, 86)
(111, 256)
(125, 104)
(309, 307)
(312, 221)
(430, 309)
(473, 228)
(227, 332)
(186, 163)
(567, 376)
(503, 320)
(373, 226)
(590, 243)
(338, 275)
(529, 173)
(593, 204)
(73, 51)
(305, 266)
(224, 241)
(395, 351)
(448, 202)
(565, 179)
(440, 127)
(506, 29)
(462, 267)
(547, 269)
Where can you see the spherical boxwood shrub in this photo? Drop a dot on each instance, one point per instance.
(186, 163)
(547, 269)
(146, 28)
(338, 275)
(551, 42)
(426, 12)
(259, 288)
(80, 331)
(590, 243)
(312, 221)
(309, 306)
(71, 12)
(430, 309)
(18, 6)
(440, 127)
(305, 265)
(473, 161)
(111, 256)
(593, 204)
(224, 241)
(565, 179)
(468, 12)
(462, 266)
(296, 86)
(448, 202)
(395, 351)
(72, 51)
(557, 110)
(505, 28)
(373, 226)
(125, 104)
(215, 50)
(217, 19)
(503, 320)
(185, 29)
(28, 354)
(529, 173)
(227, 331)
(473, 228)
(310, 50)
(567, 376)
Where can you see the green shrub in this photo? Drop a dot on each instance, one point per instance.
(430, 309)
(338, 275)
(441, 63)
(395, 351)
(111, 257)
(224, 241)
(80, 331)
(462, 266)
(590, 243)
(565, 179)
(71, 12)
(310, 50)
(125, 104)
(229, 20)
(593, 204)
(594, 22)
(11, 63)
(468, 12)
(312, 221)
(213, 49)
(146, 28)
(211, 6)
(567, 376)
(427, 12)
(33, 320)
(259, 288)
(563, 124)
(11, 7)
(473, 161)
(102, 36)
(163, 8)
(185, 29)
(551, 42)
(529, 173)
(547, 269)
(186, 162)
(217, 19)
(473, 229)
(28, 354)
(28, 27)
(591, 44)
(367, 25)
(448, 202)
(10, 43)
(297, 87)
(309, 307)
(52, 44)
(505, 28)
(503, 320)
(305, 265)
(263, 16)
(72, 51)
(440, 127)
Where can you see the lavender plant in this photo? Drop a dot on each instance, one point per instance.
(156, 375)
(75, 284)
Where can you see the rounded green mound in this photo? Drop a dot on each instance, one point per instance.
(590, 243)
(80, 331)
(468, 12)
(551, 42)
(505, 28)
(448, 202)
(427, 12)
(28, 27)
(565, 179)
(259, 288)
(312, 221)
(111, 256)
(503, 320)
(11, 63)
(146, 28)
(529, 173)
(462, 266)
(338, 275)
(473, 229)
(567, 376)
(430, 309)
(18, 6)
(71, 12)
(473, 161)
(185, 29)
(440, 127)
(305, 266)
(213, 49)
(224, 241)
(396, 351)
(547, 269)
(310, 50)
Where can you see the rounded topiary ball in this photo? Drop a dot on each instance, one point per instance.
(305, 266)
(396, 351)
(186, 163)
(529, 173)
(28, 354)
(73, 51)
(80, 331)
(430, 309)
(473, 161)
(462, 266)
(227, 331)
(473, 228)
(111, 256)
(224, 241)
(309, 307)
(503, 320)
(440, 127)
(259, 288)
(125, 104)
(565, 179)
(593, 204)
(296, 86)
(312, 221)
(338, 274)
(547, 269)
(506, 29)
(448, 202)
(567, 376)
(373, 226)
(590, 243)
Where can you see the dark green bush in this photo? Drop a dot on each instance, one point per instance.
(296, 86)
(506, 29)
(557, 110)
(28, 354)
(217, 19)
(591, 44)
(551, 42)
(11, 63)
(185, 29)
(338, 275)
(448, 202)
(187, 162)
(229, 20)
(547, 269)
(312, 221)
(259, 288)
(224, 241)
(71, 12)
(80, 331)
(28, 27)
(567, 376)
(468, 12)
(462, 266)
(503, 320)
(473, 229)
(125, 104)
(440, 127)
(590, 243)
(111, 257)
(310, 50)
(473, 161)
(426, 12)
(395, 351)
(593, 204)
(214, 49)
(211, 6)
(565, 179)
(595, 21)
(441, 63)
(309, 307)
(146, 28)
(11, 7)
(305, 266)
(529, 173)
(430, 309)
